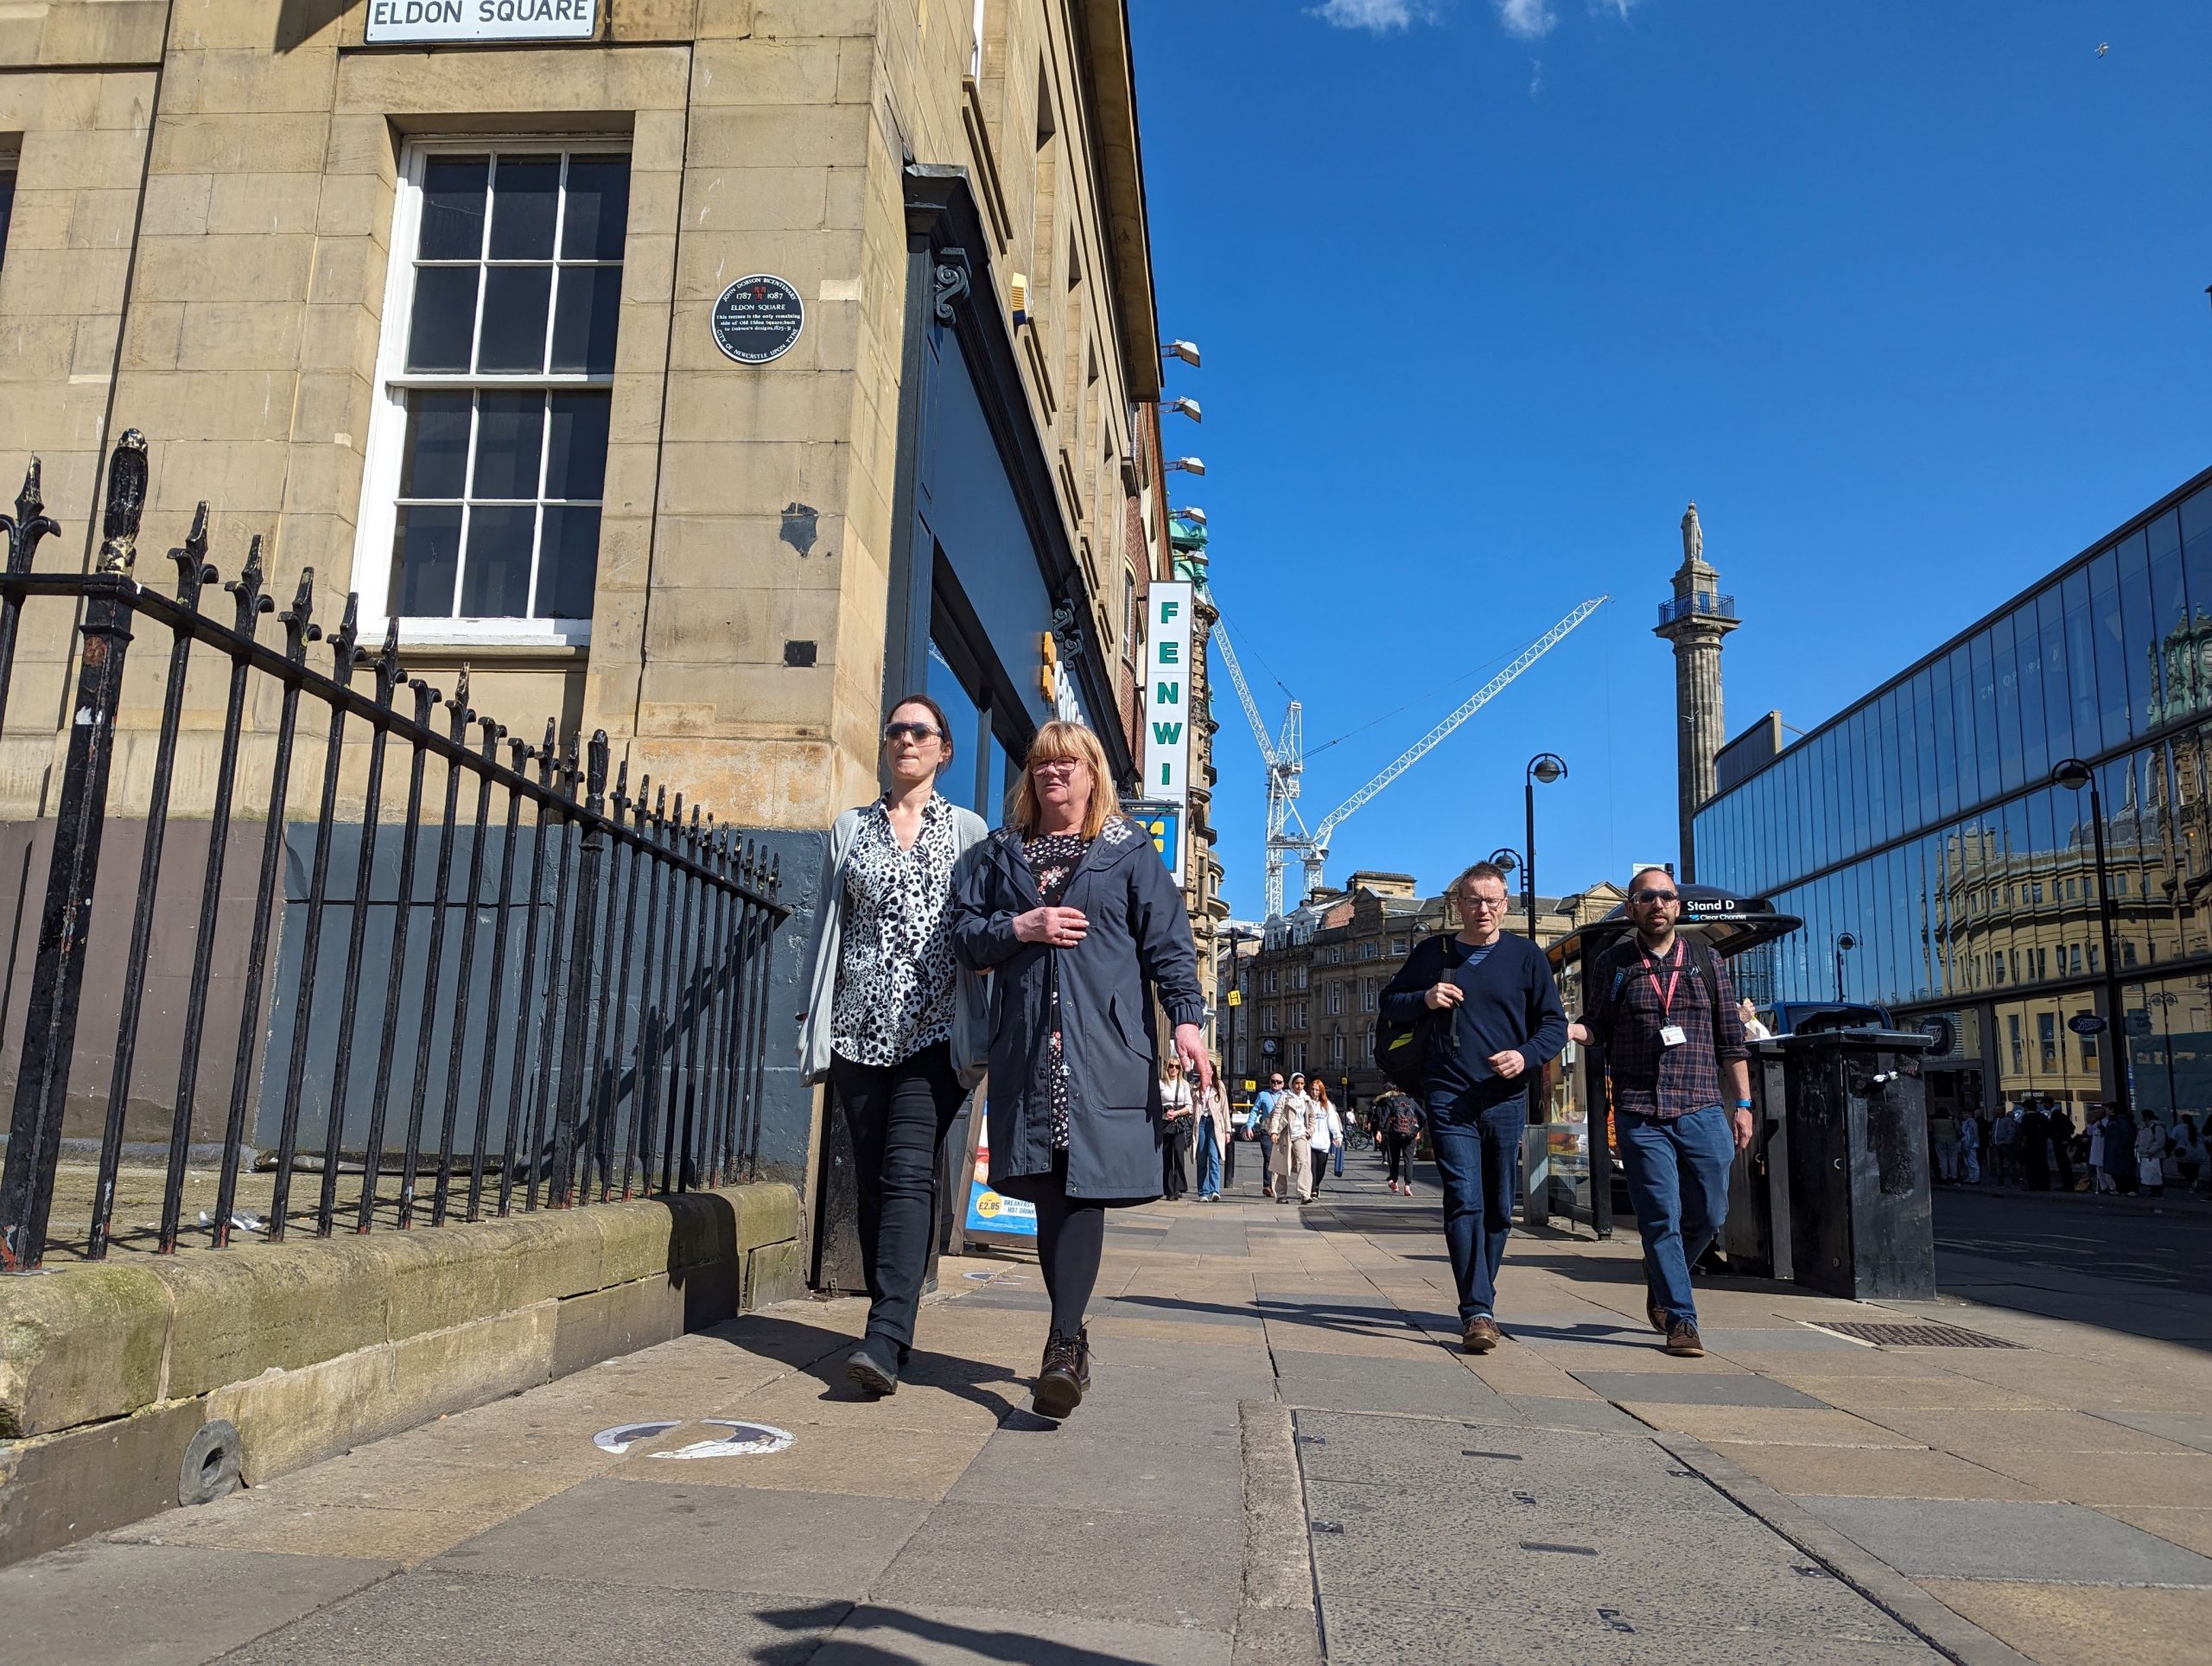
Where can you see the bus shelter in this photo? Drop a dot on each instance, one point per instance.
(1566, 1170)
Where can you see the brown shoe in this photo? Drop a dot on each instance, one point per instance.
(1060, 1381)
(1481, 1335)
(1655, 1313)
(1682, 1340)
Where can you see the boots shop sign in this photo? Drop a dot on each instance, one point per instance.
(481, 20)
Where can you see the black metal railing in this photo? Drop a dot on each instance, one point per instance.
(1702, 604)
(568, 1001)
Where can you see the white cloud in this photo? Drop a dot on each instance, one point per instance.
(1535, 76)
(1376, 16)
(1620, 9)
(1528, 20)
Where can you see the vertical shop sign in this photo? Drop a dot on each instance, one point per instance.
(1168, 694)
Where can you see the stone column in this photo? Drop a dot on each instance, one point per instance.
(1694, 621)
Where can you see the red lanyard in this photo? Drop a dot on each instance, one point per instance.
(1674, 977)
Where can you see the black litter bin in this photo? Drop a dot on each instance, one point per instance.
(1834, 1192)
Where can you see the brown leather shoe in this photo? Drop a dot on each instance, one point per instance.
(1655, 1313)
(1062, 1379)
(1682, 1340)
(1481, 1335)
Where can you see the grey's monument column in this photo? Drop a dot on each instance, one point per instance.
(1694, 621)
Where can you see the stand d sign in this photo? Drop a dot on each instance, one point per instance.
(481, 20)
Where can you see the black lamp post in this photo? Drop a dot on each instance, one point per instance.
(1545, 766)
(1845, 943)
(1506, 860)
(1235, 989)
(2073, 774)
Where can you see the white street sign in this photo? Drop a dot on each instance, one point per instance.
(481, 20)
(1168, 694)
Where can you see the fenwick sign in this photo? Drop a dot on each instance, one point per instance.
(481, 20)
(1167, 695)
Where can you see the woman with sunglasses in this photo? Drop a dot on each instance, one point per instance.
(1072, 907)
(893, 1022)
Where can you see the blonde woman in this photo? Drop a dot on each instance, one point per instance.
(1072, 907)
(893, 1022)
(1289, 1125)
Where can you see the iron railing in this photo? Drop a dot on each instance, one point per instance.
(1702, 604)
(613, 1045)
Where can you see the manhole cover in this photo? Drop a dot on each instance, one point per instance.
(1917, 1336)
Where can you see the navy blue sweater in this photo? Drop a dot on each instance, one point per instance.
(1512, 1003)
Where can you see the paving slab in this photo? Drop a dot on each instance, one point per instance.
(1702, 1389)
(1437, 1388)
(1988, 1539)
(1874, 1472)
(697, 1538)
(873, 1635)
(2086, 1626)
(1078, 1469)
(1785, 1425)
(2187, 1429)
(2189, 1528)
(2178, 1478)
(436, 1619)
(105, 1604)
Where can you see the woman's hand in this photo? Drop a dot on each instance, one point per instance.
(1062, 928)
(1191, 1045)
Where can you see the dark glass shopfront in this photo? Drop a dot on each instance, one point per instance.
(1922, 824)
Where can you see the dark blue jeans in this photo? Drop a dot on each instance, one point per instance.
(1677, 1174)
(1478, 1156)
(1209, 1158)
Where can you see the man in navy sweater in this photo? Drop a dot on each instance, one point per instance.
(1498, 1021)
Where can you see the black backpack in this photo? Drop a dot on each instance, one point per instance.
(1403, 1051)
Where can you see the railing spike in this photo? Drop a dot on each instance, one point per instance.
(192, 571)
(126, 503)
(298, 620)
(246, 590)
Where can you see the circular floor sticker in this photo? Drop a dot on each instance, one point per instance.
(744, 1441)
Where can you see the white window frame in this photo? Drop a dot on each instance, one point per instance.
(387, 437)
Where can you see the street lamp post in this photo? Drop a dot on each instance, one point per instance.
(2165, 1000)
(2073, 774)
(1236, 987)
(1545, 766)
(1845, 943)
(1506, 860)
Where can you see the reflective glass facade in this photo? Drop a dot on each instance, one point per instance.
(1922, 823)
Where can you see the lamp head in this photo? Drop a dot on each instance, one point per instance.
(1188, 465)
(1548, 767)
(1185, 351)
(2070, 773)
(1187, 407)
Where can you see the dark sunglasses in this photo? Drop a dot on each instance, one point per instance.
(1649, 895)
(915, 732)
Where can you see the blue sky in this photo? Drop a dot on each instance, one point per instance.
(1910, 298)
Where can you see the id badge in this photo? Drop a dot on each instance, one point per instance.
(1670, 1035)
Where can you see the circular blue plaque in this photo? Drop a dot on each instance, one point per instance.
(758, 319)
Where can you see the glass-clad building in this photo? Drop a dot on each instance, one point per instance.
(1922, 824)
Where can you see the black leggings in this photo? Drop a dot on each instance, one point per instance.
(1398, 1152)
(899, 1114)
(1071, 1239)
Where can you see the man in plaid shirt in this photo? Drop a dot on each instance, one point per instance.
(1661, 1008)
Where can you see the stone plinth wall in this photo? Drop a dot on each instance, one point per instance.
(108, 1371)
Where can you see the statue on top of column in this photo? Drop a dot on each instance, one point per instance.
(1692, 535)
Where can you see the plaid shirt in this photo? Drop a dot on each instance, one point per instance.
(1625, 1011)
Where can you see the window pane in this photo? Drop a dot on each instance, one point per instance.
(2027, 638)
(2058, 718)
(2178, 691)
(2109, 632)
(583, 326)
(525, 197)
(2196, 558)
(1984, 666)
(436, 461)
(2082, 666)
(496, 582)
(599, 209)
(445, 319)
(1946, 739)
(515, 301)
(576, 464)
(453, 208)
(568, 562)
(2139, 634)
(425, 553)
(510, 433)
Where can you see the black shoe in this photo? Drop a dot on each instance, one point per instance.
(1062, 1377)
(874, 1366)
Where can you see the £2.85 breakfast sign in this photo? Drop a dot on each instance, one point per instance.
(481, 20)
(1168, 694)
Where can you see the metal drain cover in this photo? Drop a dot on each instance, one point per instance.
(1917, 1336)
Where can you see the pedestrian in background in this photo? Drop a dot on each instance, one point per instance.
(1262, 1126)
(2061, 1145)
(2035, 1147)
(1754, 1028)
(2151, 1157)
(2119, 1149)
(893, 1021)
(1323, 1128)
(1970, 1150)
(1072, 907)
(1662, 1009)
(1213, 1137)
(1288, 1127)
(2005, 1145)
(2189, 1153)
(1398, 1130)
(1943, 1132)
(1177, 1128)
(1496, 1022)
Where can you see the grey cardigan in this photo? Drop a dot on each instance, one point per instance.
(971, 1037)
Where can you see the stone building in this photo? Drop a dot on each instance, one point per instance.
(708, 373)
(1310, 991)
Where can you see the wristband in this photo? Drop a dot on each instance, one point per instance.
(1743, 1104)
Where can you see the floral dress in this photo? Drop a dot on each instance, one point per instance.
(1052, 859)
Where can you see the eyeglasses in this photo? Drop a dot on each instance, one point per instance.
(1649, 895)
(1056, 767)
(1482, 902)
(916, 732)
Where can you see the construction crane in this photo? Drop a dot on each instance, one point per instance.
(1286, 760)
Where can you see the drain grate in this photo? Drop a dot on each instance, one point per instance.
(1917, 1336)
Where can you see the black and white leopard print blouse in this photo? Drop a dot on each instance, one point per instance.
(896, 970)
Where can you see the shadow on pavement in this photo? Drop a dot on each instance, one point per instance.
(818, 1352)
(1019, 1648)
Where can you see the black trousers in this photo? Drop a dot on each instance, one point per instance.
(1398, 1155)
(898, 1114)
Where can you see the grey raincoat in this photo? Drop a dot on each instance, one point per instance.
(1138, 933)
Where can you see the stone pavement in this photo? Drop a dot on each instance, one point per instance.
(1284, 1453)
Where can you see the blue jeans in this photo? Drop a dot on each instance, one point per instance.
(1677, 1173)
(1478, 1157)
(1208, 1159)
